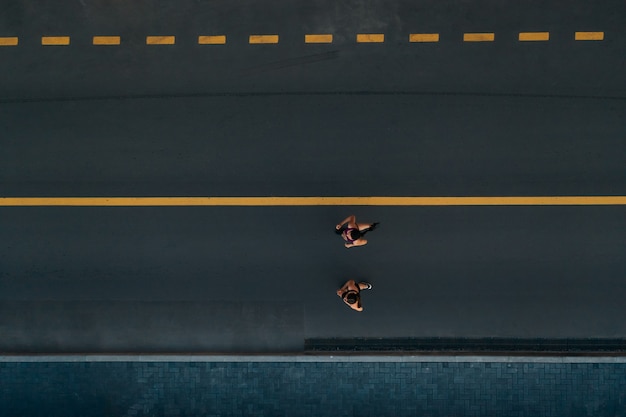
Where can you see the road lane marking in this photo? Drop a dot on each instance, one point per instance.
(424, 37)
(263, 39)
(160, 40)
(9, 41)
(309, 38)
(534, 36)
(589, 36)
(479, 37)
(55, 40)
(106, 40)
(318, 38)
(212, 40)
(370, 38)
(312, 201)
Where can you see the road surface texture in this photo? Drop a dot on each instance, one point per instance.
(264, 278)
(310, 99)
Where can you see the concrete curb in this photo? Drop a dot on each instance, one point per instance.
(313, 358)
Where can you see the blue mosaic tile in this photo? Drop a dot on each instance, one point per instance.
(305, 389)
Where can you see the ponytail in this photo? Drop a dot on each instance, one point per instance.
(369, 229)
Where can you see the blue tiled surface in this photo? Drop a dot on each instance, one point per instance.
(311, 389)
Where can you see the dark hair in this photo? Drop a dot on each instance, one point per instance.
(355, 234)
(351, 297)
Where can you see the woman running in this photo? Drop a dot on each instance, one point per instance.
(353, 232)
(350, 293)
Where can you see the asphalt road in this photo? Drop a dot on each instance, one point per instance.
(263, 279)
(449, 118)
(315, 145)
(560, 66)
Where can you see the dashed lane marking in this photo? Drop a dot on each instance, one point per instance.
(318, 38)
(312, 201)
(308, 38)
(424, 37)
(589, 36)
(160, 40)
(263, 39)
(9, 41)
(534, 36)
(106, 40)
(370, 38)
(479, 37)
(55, 40)
(212, 40)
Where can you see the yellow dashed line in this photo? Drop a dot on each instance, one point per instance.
(256, 39)
(370, 38)
(479, 37)
(424, 37)
(55, 40)
(212, 40)
(589, 36)
(318, 38)
(534, 36)
(313, 201)
(160, 40)
(308, 38)
(8, 41)
(106, 40)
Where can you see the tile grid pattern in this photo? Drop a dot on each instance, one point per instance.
(312, 388)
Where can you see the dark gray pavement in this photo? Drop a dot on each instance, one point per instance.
(263, 279)
(443, 119)
(315, 145)
(561, 66)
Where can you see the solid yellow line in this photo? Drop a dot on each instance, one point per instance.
(479, 37)
(589, 36)
(212, 40)
(106, 40)
(424, 37)
(55, 40)
(370, 37)
(313, 201)
(534, 36)
(8, 41)
(325, 38)
(160, 40)
(257, 39)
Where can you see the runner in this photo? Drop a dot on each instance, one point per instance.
(350, 293)
(353, 232)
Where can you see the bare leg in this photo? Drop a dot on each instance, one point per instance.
(362, 226)
(364, 286)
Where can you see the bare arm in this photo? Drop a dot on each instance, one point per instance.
(345, 287)
(358, 306)
(349, 219)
